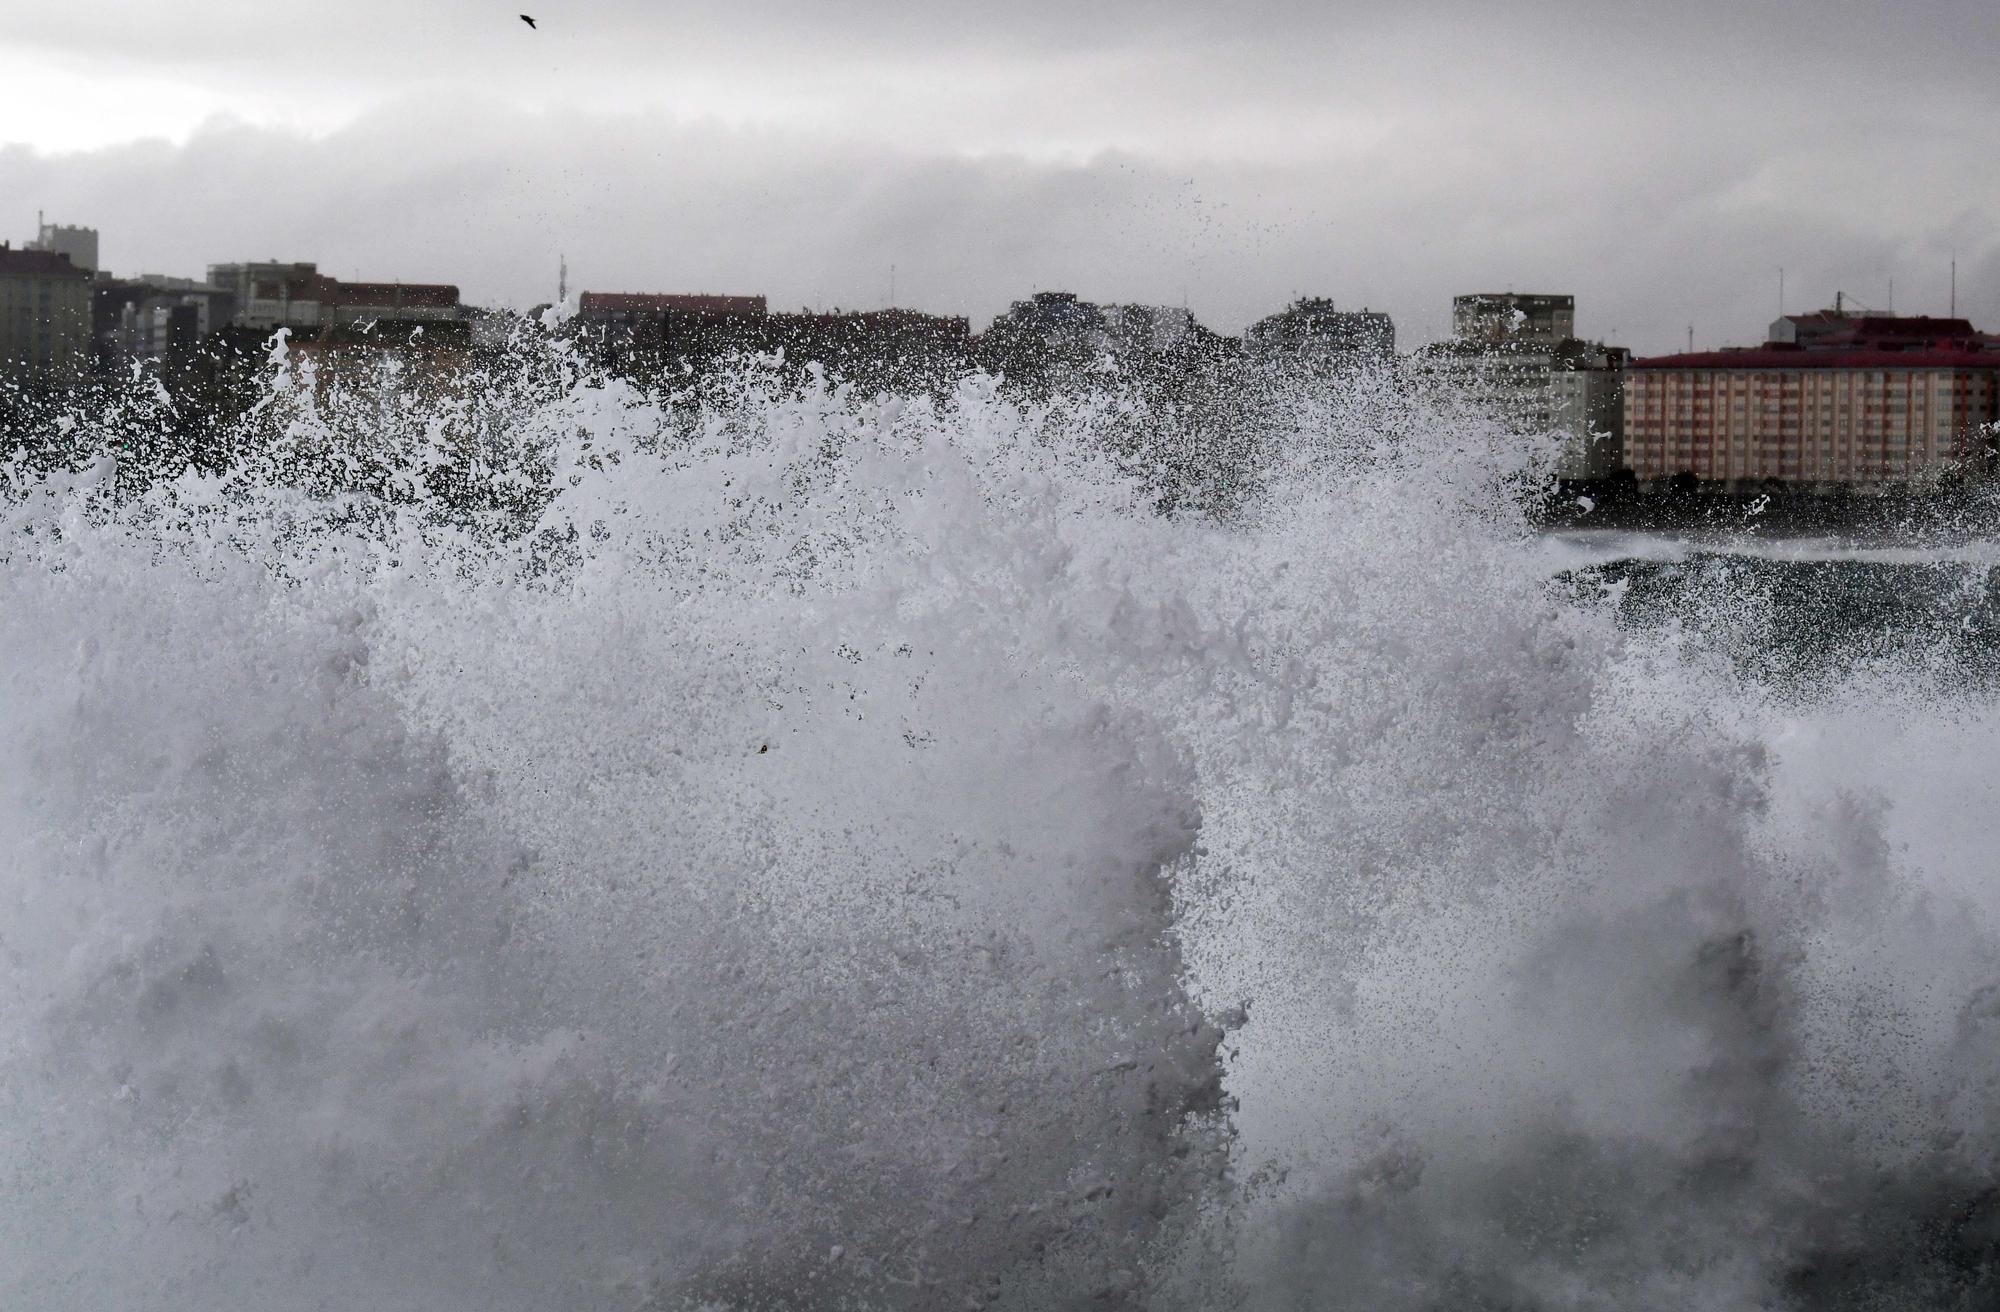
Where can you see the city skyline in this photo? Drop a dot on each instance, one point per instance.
(1662, 171)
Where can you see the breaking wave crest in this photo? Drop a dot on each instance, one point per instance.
(527, 841)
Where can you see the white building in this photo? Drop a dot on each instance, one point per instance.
(270, 294)
(1518, 355)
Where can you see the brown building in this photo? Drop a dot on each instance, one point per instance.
(1879, 403)
(631, 307)
(44, 317)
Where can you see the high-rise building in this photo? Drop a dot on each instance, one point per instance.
(79, 244)
(1518, 354)
(44, 317)
(1587, 406)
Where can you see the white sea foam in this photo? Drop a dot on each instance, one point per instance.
(817, 857)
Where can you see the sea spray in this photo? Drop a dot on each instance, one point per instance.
(705, 884)
(530, 840)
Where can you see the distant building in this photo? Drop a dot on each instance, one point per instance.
(405, 358)
(645, 331)
(492, 329)
(273, 295)
(1842, 322)
(361, 303)
(79, 244)
(1869, 403)
(1314, 324)
(1060, 321)
(1050, 338)
(866, 343)
(1518, 354)
(1835, 330)
(1587, 406)
(630, 326)
(871, 325)
(629, 308)
(153, 318)
(44, 317)
(269, 294)
(1513, 317)
(1806, 329)
(1146, 329)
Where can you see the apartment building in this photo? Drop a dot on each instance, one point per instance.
(1877, 403)
(44, 317)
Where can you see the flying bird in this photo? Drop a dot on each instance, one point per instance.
(529, 21)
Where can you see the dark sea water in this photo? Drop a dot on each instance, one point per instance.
(549, 844)
(1794, 610)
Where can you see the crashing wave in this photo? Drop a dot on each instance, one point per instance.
(520, 839)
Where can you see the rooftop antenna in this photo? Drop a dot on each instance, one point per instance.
(1690, 339)
(1892, 296)
(562, 280)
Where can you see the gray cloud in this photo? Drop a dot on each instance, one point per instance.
(1660, 161)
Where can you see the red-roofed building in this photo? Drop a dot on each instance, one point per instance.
(1864, 402)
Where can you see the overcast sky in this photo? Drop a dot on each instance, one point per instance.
(1661, 160)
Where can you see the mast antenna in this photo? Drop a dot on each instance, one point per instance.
(562, 280)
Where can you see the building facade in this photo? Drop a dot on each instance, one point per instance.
(1518, 355)
(1495, 317)
(152, 318)
(273, 295)
(627, 309)
(1057, 320)
(1834, 399)
(1587, 406)
(79, 244)
(1317, 326)
(1861, 418)
(44, 318)
(270, 295)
